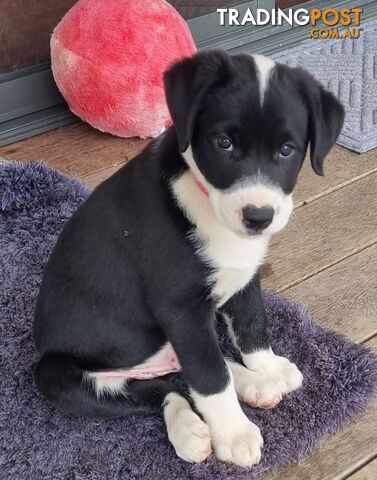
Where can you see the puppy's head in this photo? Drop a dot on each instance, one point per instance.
(243, 125)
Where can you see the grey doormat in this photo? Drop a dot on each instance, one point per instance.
(348, 68)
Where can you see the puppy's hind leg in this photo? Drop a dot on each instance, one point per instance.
(188, 434)
(65, 381)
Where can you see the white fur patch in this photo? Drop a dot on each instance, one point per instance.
(113, 385)
(234, 258)
(264, 66)
(266, 379)
(229, 324)
(234, 438)
(188, 434)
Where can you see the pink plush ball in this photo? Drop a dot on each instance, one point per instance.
(108, 58)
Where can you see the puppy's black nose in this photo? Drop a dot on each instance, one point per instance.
(257, 219)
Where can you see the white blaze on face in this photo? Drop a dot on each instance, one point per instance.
(264, 67)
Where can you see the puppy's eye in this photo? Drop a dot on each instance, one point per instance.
(225, 143)
(286, 150)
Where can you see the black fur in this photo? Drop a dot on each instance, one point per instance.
(248, 316)
(124, 278)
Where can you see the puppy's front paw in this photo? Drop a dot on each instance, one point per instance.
(240, 445)
(267, 379)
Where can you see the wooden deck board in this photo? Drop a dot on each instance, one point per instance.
(368, 472)
(344, 297)
(341, 454)
(323, 233)
(341, 167)
(96, 178)
(76, 150)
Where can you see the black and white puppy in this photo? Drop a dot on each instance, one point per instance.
(133, 285)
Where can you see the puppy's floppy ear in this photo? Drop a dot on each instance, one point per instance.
(186, 84)
(326, 116)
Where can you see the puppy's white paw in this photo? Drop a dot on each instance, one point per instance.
(188, 434)
(267, 378)
(234, 438)
(190, 437)
(252, 388)
(241, 445)
(283, 373)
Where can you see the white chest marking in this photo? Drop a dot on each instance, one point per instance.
(234, 259)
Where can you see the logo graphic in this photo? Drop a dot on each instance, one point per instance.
(324, 22)
(332, 18)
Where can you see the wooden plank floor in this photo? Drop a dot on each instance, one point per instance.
(326, 258)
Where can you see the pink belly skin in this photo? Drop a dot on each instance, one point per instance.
(161, 363)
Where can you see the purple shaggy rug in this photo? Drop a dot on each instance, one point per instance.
(38, 442)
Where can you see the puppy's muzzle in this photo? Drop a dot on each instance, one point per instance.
(257, 219)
